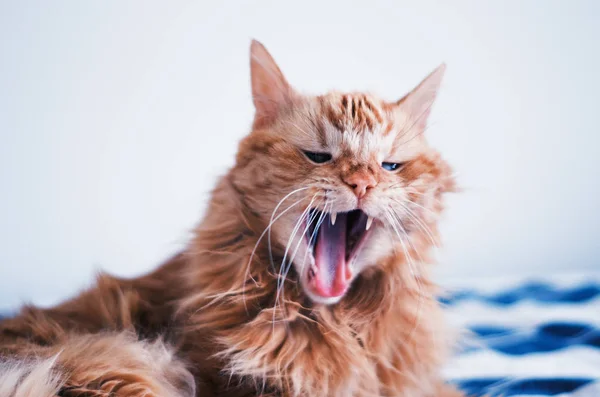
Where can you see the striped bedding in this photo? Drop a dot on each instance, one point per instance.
(527, 338)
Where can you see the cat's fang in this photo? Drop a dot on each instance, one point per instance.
(333, 217)
(369, 222)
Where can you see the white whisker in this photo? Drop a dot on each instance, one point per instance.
(419, 223)
(429, 195)
(268, 228)
(291, 260)
(411, 190)
(425, 208)
(294, 232)
(272, 215)
(393, 222)
(290, 240)
(315, 231)
(308, 223)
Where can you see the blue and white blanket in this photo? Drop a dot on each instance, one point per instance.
(527, 338)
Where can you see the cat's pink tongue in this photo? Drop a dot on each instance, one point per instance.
(332, 276)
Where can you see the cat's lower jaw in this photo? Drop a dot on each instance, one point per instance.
(323, 300)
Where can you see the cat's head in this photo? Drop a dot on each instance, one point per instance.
(343, 180)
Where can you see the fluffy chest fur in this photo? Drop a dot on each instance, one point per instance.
(385, 336)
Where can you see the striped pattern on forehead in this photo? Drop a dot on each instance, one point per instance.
(356, 112)
(359, 124)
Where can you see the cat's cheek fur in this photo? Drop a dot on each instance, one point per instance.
(377, 248)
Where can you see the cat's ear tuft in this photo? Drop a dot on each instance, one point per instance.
(270, 90)
(417, 103)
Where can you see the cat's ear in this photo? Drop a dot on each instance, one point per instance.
(270, 90)
(416, 105)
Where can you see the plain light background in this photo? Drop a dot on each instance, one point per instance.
(117, 117)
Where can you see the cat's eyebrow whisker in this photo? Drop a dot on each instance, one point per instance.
(298, 127)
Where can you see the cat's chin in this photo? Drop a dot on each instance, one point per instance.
(317, 299)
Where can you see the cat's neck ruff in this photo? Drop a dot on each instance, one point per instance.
(278, 338)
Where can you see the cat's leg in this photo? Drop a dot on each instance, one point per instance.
(97, 365)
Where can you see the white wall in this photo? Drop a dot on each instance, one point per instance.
(116, 117)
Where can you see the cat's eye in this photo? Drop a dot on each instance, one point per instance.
(318, 158)
(392, 166)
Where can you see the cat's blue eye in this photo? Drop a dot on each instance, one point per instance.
(318, 158)
(392, 166)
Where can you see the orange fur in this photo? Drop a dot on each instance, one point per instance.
(227, 318)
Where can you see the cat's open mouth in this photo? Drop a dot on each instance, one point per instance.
(335, 240)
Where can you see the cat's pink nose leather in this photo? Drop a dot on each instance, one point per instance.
(360, 182)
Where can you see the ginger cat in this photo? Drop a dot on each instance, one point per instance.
(308, 275)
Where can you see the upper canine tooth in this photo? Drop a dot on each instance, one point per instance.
(333, 217)
(369, 222)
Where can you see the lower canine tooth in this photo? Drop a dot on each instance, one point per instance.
(369, 222)
(333, 217)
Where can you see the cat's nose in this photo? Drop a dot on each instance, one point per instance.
(360, 182)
